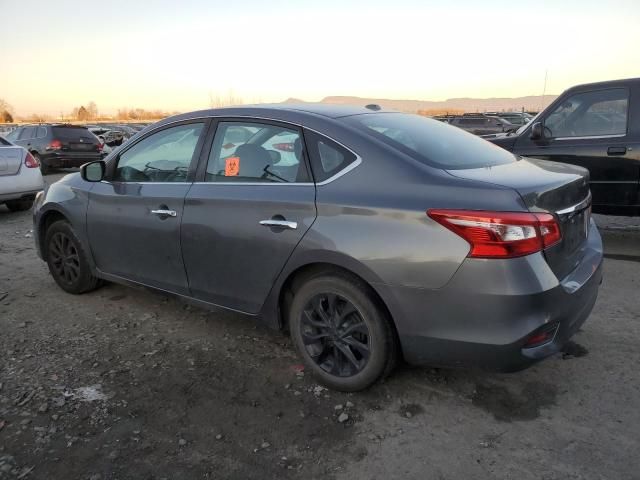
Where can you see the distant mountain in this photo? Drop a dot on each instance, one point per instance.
(530, 103)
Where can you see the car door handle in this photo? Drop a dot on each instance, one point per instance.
(279, 224)
(616, 150)
(165, 213)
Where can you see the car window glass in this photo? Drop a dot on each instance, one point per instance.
(13, 135)
(27, 133)
(41, 133)
(602, 112)
(431, 142)
(327, 157)
(256, 152)
(164, 156)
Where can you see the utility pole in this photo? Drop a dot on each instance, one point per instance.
(544, 89)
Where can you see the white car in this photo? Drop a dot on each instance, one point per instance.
(20, 177)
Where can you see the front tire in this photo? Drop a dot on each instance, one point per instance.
(67, 260)
(19, 205)
(342, 333)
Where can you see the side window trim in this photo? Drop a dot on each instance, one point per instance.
(211, 135)
(195, 158)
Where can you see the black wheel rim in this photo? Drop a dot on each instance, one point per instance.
(335, 335)
(64, 258)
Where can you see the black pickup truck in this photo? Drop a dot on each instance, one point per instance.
(596, 126)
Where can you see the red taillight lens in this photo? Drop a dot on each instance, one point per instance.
(285, 147)
(30, 162)
(99, 146)
(54, 145)
(501, 234)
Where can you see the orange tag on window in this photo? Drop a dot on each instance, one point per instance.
(232, 167)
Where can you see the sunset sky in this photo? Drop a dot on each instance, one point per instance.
(173, 55)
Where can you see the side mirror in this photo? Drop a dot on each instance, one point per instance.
(93, 171)
(537, 131)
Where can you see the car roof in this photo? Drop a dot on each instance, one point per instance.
(321, 109)
(606, 84)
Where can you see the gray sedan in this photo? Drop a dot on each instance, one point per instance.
(371, 236)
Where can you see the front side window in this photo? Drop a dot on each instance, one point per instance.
(590, 114)
(256, 152)
(164, 156)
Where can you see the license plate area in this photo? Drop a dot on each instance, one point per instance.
(575, 229)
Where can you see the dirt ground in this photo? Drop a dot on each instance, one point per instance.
(127, 384)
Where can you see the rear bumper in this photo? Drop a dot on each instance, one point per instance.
(484, 316)
(23, 185)
(69, 159)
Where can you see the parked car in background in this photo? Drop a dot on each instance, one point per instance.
(111, 138)
(358, 230)
(515, 118)
(57, 145)
(595, 126)
(482, 124)
(20, 178)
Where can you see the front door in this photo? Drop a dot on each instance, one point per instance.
(245, 216)
(591, 129)
(133, 218)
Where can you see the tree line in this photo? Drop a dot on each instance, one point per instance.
(82, 113)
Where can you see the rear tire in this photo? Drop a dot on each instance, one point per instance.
(67, 259)
(19, 205)
(342, 333)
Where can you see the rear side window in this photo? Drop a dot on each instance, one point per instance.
(431, 142)
(256, 152)
(13, 135)
(27, 133)
(41, 133)
(327, 157)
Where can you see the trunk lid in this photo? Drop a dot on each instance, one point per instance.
(10, 160)
(544, 186)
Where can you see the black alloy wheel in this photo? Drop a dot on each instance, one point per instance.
(65, 259)
(335, 335)
(341, 330)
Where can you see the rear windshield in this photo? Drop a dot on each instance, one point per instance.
(72, 133)
(431, 142)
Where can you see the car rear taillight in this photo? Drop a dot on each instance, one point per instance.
(30, 162)
(285, 147)
(501, 234)
(99, 146)
(54, 145)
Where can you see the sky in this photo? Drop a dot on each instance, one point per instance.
(177, 55)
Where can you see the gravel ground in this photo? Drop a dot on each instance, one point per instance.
(124, 383)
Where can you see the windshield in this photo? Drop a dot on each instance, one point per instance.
(530, 121)
(431, 142)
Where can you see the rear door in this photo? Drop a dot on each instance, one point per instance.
(133, 219)
(253, 202)
(592, 129)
